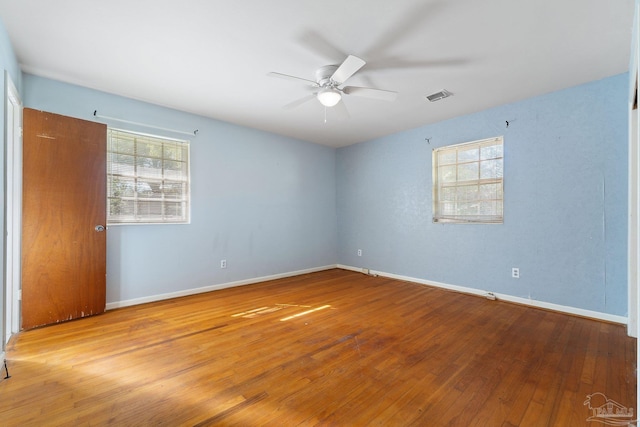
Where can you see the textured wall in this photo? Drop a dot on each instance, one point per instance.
(263, 202)
(565, 209)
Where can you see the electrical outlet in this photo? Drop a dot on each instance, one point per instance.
(223, 263)
(515, 272)
(359, 252)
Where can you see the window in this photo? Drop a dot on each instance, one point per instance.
(147, 179)
(467, 182)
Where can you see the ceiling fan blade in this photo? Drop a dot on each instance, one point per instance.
(347, 69)
(288, 77)
(368, 92)
(410, 22)
(393, 62)
(340, 110)
(299, 102)
(317, 43)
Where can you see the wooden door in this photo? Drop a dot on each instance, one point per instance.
(64, 199)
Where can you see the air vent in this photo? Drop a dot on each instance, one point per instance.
(439, 95)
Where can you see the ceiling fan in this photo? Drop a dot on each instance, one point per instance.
(329, 80)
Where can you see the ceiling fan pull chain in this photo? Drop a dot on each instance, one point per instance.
(325, 114)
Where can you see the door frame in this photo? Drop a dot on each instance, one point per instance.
(13, 213)
(633, 237)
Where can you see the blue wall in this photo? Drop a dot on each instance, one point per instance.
(269, 204)
(565, 209)
(263, 202)
(8, 60)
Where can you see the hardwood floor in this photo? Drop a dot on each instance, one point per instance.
(330, 348)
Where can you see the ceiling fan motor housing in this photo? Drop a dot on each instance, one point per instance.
(323, 75)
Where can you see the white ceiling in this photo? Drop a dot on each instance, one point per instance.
(212, 57)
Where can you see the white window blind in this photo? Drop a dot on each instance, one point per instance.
(147, 179)
(468, 182)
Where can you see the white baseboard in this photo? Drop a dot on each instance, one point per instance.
(472, 291)
(187, 292)
(503, 297)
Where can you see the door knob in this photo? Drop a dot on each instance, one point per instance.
(99, 228)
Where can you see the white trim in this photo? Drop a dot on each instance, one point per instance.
(13, 209)
(633, 240)
(463, 289)
(633, 249)
(187, 292)
(503, 297)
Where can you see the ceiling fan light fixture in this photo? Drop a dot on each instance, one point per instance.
(329, 96)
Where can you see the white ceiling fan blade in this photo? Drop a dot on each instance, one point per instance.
(368, 92)
(288, 77)
(340, 110)
(299, 102)
(347, 69)
(317, 43)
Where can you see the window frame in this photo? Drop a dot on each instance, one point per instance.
(438, 200)
(185, 179)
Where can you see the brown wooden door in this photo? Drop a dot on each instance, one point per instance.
(64, 199)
